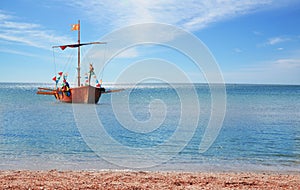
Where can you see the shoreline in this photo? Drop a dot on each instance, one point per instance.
(123, 179)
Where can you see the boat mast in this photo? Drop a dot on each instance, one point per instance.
(62, 47)
(78, 68)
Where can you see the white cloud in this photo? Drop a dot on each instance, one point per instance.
(30, 34)
(280, 71)
(191, 15)
(214, 11)
(17, 52)
(19, 25)
(237, 50)
(277, 40)
(4, 16)
(257, 33)
(287, 64)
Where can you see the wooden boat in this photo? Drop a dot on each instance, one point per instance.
(80, 94)
(83, 94)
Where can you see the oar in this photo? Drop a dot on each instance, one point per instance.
(111, 91)
(40, 88)
(46, 93)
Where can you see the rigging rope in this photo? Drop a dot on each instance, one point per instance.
(69, 63)
(66, 66)
(88, 59)
(104, 60)
(54, 65)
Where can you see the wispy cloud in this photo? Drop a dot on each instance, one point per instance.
(287, 63)
(4, 15)
(191, 15)
(19, 25)
(237, 50)
(17, 52)
(257, 33)
(286, 71)
(25, 33)
(277, 40)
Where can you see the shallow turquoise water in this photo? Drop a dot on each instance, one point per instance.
(261, 130)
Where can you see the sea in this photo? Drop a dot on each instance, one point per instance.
(152, 127)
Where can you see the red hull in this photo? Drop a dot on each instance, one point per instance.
(83, 94)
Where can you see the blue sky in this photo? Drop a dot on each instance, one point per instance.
(253, 41)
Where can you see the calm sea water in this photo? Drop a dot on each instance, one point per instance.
(261, 129)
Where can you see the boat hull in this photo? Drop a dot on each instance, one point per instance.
(83, 95)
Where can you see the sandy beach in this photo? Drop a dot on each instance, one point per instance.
(55, 179)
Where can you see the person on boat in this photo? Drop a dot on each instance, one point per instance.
(66, 88)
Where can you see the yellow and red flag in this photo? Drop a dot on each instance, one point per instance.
(75, 27)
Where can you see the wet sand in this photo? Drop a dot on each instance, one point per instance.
(55, 179)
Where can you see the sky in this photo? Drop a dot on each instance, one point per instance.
(252, 41)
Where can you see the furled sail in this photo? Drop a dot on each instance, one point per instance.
(62, 47)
